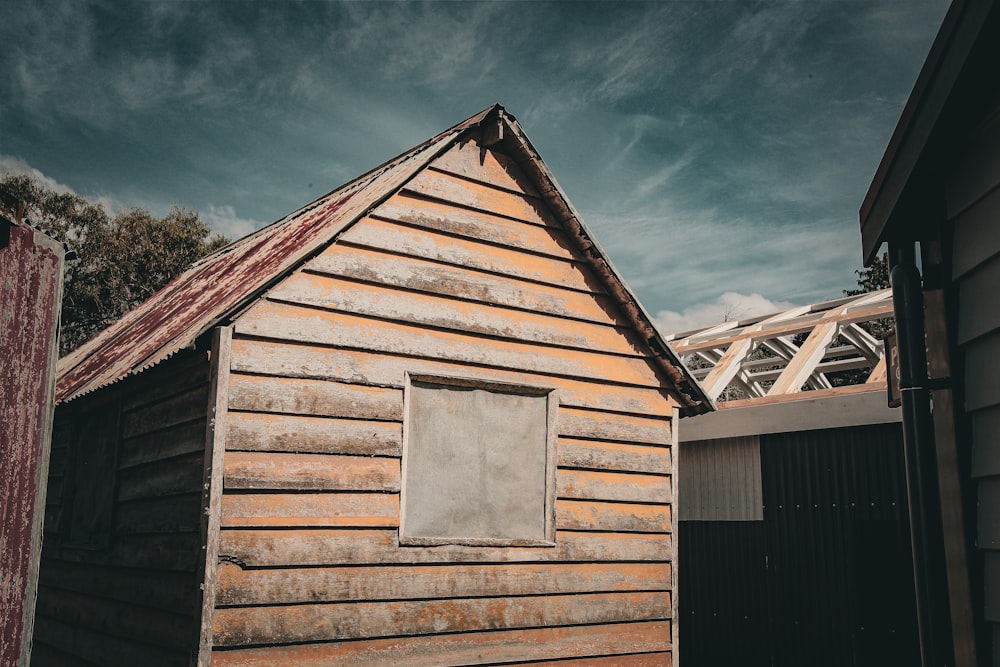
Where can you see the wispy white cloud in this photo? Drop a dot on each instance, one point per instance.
(226, 221)
(727, 307)
(10, 164)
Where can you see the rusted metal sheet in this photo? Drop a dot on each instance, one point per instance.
(30, 294)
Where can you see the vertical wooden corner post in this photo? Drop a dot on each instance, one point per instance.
(675, 443)
(211, 505)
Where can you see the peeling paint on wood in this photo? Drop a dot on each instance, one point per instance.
(372, 368)
(474, 648)
(283, 548)
(350, 620)
(30, 293)
(286, 586)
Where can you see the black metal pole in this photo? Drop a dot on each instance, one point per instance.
(930, 583)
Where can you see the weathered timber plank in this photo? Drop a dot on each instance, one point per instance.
(635, 660)
(321, 291)
(310, 361)
(479, 196)
(411, 273)
(613, 456)
(102, 649)
(116, 618)
(186, 438)
(300, 324)
(474, 648)
(425, 244)
(357, 510)
(478, 226)
(319, 435)
(327, 472)
(177, 552)
(356, 620)
(180, 475)
(589, 485)
(623, 517)
(606, 426)
(173, 377)
(169, 591)
(216, 432)
(285, 586)
(171, 514)
(282, 548)
(487, 166)
(43, 655)
(176, 410)
(314, 397)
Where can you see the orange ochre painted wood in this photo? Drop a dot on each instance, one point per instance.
(289, 624)
(314, 397)
(359, 263)
(635, 488)
(319, 291)
(290, 548)
(470, 160)
(296, 360)
(473, 648)
(380, 510)
(420, 243)
(310, 509)
(635, 660)
(477, 226)
(574, 453)
(250, 431)
(464, 192)
(388, 582)
(297, 323)
(624, 517)
(328, 472)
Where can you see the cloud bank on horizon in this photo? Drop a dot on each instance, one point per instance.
(714, 148)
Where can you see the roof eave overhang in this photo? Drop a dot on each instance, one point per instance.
(912, 147)
(692, 398)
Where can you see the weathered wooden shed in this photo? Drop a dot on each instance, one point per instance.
(793, 534)
(419, 421)
(31, 282)
(936, 194)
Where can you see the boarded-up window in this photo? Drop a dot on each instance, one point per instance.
(90, 491)
(478, 463)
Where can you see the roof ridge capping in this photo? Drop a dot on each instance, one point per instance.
(216, 288)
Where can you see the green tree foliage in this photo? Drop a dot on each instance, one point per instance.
(121, 259)
(873, 278)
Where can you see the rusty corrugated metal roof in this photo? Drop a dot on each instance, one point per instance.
(224, 283)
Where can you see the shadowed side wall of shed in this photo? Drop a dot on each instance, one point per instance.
(135, 602)
(463, 273)
(973, 207)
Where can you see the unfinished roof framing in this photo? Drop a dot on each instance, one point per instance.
(779, 357)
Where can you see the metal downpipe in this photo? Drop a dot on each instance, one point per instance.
(930, 583)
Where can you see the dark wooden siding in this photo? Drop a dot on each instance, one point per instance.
(30, 294)
(464, 273)
(136, 602)
(974, 210)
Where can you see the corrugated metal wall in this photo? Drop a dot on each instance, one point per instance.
(825, 578)
(721, 480)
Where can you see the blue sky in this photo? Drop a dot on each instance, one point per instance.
(718, 149)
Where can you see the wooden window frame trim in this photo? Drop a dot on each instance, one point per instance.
(551, 460)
